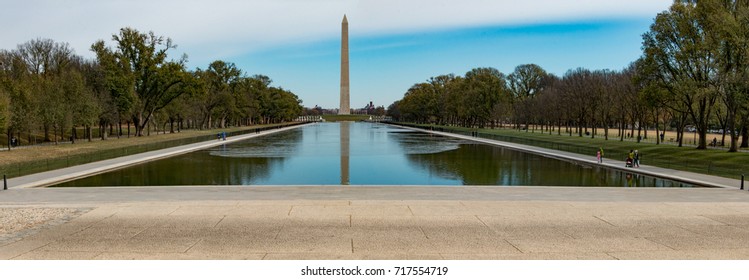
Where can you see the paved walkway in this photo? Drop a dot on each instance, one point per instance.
(384, 222)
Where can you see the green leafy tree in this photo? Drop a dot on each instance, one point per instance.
(216, 96)
(420, 103)
(105, 103)
(116, 82)
(484, 88)
(286, 105)
(685, 64)
(394, 110)
(726, 25)
(4, 95)
(444, 87)
(260, 90)
(47, 63)
(139, 65)
(247, 100)
(4, 108)
(84, 106)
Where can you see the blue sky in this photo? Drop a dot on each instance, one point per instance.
(393, 43)
(383, 67)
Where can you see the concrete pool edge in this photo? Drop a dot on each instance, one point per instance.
(88, 196)
(670, 174)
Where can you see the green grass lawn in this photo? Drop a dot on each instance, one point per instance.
(711, 161)
(343, 118)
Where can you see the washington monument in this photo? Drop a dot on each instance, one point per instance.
(345, 108)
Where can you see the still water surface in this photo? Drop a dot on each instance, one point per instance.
(364, 154)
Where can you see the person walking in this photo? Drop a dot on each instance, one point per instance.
(629, 162)
(599, 155)
(637, 158)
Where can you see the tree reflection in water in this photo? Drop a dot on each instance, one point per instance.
(479, 164)
(243, 163)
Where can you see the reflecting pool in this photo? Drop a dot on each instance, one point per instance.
(349, 153)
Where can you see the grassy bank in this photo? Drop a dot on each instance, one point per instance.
(33, 159)
(343, 118)
(716, 162)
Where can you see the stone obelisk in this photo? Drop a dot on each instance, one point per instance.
(345, 108)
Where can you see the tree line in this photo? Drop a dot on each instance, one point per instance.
(693, 75)
(46, 89)
(527, 98)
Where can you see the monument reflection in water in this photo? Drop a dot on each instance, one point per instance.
(345, 151)
(364, 154)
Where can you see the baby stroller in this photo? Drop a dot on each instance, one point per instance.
(628, 162)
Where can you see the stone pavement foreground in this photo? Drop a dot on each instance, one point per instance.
(336, 222)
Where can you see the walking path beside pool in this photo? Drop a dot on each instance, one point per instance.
(375, 222)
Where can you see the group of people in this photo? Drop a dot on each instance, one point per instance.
(633, 157)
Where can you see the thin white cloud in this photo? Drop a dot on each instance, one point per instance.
(222, 28)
